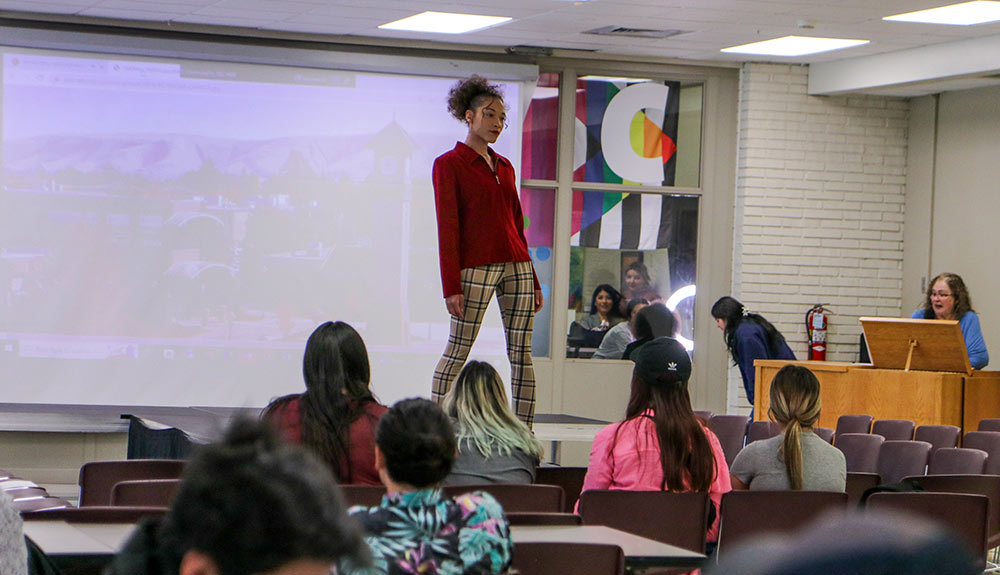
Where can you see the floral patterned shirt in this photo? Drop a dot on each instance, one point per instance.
(424, 532)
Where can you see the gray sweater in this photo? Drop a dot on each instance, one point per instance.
(13, 553)
(759, 466)
(472, 468)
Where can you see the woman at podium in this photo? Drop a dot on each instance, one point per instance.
(948, 298)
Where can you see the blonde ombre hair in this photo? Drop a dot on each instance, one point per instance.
(478, 402)
(795, 405)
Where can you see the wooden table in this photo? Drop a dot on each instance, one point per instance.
(639, 551)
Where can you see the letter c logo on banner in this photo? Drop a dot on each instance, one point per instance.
(616, 128)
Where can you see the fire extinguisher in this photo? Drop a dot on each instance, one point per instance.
(816, 332)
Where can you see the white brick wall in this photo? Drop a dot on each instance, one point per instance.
(819, 208)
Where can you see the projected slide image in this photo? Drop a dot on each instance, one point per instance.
(218, 204)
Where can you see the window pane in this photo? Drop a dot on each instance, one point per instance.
(627, 131)
(655, 236)
(541, 126)
(539, 207)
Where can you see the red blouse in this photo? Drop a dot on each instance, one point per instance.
(479, 214)
(287, 420)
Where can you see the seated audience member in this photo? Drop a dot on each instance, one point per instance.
(869, 543)
(651, 322)
(248, 504)
(638, 284)
(617, 339)
(13, 553)
(948, 298)
(416, 529)
(798, 458)
(494, 446)
(336, 416)
(605, 310)
(661, 445)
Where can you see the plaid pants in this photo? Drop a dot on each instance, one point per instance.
(513, 283)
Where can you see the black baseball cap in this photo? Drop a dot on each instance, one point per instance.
(662, 361)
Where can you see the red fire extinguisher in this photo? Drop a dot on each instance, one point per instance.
(816, 332)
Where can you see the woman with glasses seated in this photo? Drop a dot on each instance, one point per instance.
(481, 243)
(947, 298)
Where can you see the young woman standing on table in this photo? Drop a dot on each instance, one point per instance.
(948, 298)
(749, 337)
(481, 243)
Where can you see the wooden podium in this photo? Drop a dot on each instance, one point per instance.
(951, 394)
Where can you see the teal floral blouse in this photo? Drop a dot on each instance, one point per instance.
(424, 532)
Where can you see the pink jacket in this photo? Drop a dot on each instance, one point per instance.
(634, 464)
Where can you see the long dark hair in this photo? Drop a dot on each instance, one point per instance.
(686, 455)
(654, 320)
(732, 311)
(616, 300)
(337, 374)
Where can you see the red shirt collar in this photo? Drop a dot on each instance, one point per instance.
(470, 155)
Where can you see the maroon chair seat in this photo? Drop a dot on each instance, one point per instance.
(967, 515)
(759, 430)
(144, 492)
(551, 558)
(752, 513)
(988, 441)
(364, 495)
(679, 519)
(98, 478)
(860, 451)
(899, 459)
(569, 478)
(988, 485)
(854, 424)
(731, 431)
(938, 436)
(894, 429)
(956, 460)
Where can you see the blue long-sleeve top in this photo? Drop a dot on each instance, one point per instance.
(751, 345)
(975, 345)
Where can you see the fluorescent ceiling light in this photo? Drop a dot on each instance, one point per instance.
(444, 23)
(964, 14)
(794, 46)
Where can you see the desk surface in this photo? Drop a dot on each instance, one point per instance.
(639, 551)
(63, 538)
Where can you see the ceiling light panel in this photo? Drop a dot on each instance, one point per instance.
(794, 46)
(964, 14)
(444, 23)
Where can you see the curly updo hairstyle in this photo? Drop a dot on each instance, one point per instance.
(418, 442)
(471, 93)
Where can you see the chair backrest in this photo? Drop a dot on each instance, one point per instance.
(366, 495)
(550, 558)
(894, 429)
(988, 425)
(857, 484)
(988, 485)
(144, 492)
(98, 478)
(826, 433)
(938, 436)
(26, 493)
(704, 414)
(965, 514)
(679, 519)
(854, 424)
(954, 460)
(95, 514)
(988, 441)
(860, 451)
(752, 513)
(731, 431)
(762, 430)
(27, 506)
(517, 496)
(537, 518)
(569, 478)
(899, 459)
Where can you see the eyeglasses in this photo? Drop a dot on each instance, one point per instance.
(491, 115)
(940, 294)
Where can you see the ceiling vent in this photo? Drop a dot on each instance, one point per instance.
(634, 32)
